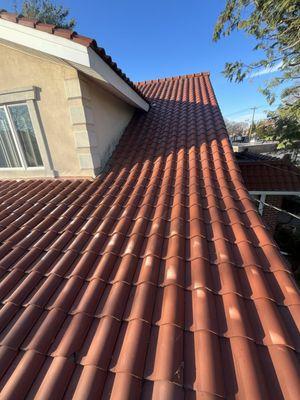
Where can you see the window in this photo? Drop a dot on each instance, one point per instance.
(18, 144)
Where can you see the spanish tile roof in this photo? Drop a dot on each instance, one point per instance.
(266, 173)
(71, 35)
(156, 280)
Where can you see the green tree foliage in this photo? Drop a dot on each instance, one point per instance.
(275, 24)
(282, 127)
(47, 12)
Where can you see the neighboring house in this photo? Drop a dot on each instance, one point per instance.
(156, 279)
(255, 147)
(269, 180)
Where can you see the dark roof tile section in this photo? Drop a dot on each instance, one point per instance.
(71, 35)
(156, 280)
(266, 173)
(249, 156)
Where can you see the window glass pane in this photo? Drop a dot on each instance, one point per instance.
(9, 157)
(24, 129)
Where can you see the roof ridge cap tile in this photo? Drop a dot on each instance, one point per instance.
(174, 78)
(13, 17)
(30, 22)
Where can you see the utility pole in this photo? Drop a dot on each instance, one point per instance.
(252, 122)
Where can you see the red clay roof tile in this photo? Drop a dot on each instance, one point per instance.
(267, 173)
(156, 280)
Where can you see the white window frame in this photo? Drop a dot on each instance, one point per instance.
(16, 139)
(29, 97)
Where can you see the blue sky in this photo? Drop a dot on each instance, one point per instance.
(160, 38)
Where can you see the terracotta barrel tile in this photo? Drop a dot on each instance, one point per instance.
(198, 248)
(84, 265)
(169, 307)
(122, 386)
(12, 257)
(69, 341)
(9, 281)
(18, 328)
(250, 382)
(46, 261)
(44, 332)
(66, 294)
(201, 311)
(165, 354)
(99, 344)
(7, 313)
(258, 286)
(238, 318)
(162, 390)
(286, 367)
(87, 383)
(172, 272)
(141, 302)
(230, 279)
(131, 348)
(56, 379)
(20, 293)
(199, 274)
(157, 279)
(25, 262)
(272, 324)
(102, 265)
(202, 364)
(152, 246)
(113, 301)
(88, 298)
(7, 356)
(21, 375)
(147, 270)
(284, 287)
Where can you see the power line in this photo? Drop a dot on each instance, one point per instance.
(244, 110)
(281, 169)
(277, 209)
(248, 109)
(287, 169)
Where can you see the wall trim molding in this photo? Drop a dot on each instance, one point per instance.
(82, 122)
(19, 94)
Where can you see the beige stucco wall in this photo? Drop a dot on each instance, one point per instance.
(109, 117)
(82, 121)
(20, 69)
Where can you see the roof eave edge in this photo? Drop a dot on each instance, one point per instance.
(81, 57)
(112, 78)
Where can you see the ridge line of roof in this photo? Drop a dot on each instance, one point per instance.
(173, 78)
